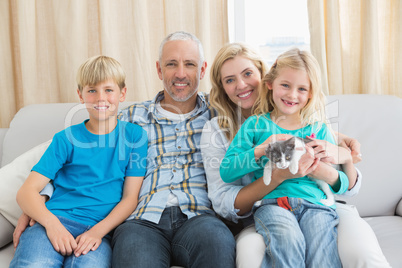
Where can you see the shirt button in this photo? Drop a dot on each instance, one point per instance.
(177, 129)
(171, 187)
(179, 147)
(174, 170)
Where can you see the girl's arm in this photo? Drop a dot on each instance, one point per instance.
(91, 239)
(31, 202)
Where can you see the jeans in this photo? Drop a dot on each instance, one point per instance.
(201, 241)
(305, 236)
(35, 249)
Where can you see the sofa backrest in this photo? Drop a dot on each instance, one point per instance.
(37, 123)
(376, 122)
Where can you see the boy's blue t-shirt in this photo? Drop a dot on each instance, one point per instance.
(240, 160)
(88, 170)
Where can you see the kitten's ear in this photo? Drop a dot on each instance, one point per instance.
(268, 149)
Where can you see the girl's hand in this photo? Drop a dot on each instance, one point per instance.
(61, 239)
(328, 152)
(87, 241)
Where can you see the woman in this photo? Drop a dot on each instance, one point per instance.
(236, 74)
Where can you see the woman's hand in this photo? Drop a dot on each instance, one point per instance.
(352, 145)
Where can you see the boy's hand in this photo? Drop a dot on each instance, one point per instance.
(87, 241)
(61, 239)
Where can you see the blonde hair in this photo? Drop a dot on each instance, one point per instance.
(99, 69)
(314, 111)
(229, 118)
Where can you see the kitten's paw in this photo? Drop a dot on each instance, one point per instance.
(328, 202)
(267, 179)
(293, 169)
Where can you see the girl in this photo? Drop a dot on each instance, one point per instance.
(291, 102)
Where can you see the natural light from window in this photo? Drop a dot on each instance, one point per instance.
(271, 26)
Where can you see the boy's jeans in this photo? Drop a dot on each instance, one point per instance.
(304, 236)
(35, 249)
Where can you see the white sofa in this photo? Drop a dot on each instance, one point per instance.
(375, 120)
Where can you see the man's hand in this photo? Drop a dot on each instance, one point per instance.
(22, 224)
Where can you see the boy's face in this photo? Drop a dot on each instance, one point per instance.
(102, 100)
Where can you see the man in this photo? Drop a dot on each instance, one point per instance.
(174, 222)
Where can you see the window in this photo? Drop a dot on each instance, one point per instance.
(271, 26)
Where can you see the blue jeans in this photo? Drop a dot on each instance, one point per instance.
(202, 241)
(305, 236)
(35, 249)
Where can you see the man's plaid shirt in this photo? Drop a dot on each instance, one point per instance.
(174, 162)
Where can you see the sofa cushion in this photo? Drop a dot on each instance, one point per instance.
(12, 176)
(6, 231)
(388, 230)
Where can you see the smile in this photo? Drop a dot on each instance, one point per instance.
(101, 108)
(289, 103)
(245, 94)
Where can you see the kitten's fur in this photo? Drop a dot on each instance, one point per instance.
(284, 154)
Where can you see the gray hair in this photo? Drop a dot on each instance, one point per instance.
(181, 35)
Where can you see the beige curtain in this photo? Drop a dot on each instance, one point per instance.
(357, 43)
(43, 42)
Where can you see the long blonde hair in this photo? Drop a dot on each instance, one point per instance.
(314, 111)
(229, 113)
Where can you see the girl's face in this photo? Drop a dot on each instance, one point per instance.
(240, 80)
(291, 91)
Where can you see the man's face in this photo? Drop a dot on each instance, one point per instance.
(180, 69)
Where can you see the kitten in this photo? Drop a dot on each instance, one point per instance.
(284, 154)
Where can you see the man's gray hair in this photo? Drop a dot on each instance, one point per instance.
(181, 35)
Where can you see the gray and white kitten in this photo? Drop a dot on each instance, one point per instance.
(287, 153)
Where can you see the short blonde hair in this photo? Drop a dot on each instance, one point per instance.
(228, 119)
(99, 69)
(314, 111)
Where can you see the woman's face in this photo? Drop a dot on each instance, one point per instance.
(240, 80)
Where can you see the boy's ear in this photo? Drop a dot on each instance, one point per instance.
(123, 92)
(80, 95)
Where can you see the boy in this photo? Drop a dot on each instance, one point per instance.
(97, 168)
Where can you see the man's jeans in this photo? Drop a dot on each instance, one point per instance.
(35, 249)
(305, 236)
(202, 241)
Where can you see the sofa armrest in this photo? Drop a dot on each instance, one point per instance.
(399, 208)
(3, 132)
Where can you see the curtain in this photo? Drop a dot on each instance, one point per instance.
(357, 43)
(43, 42)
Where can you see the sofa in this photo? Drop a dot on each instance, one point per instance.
(375, 120)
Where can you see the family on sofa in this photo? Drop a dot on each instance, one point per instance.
(188, 135)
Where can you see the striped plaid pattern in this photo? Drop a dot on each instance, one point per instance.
(174, 162)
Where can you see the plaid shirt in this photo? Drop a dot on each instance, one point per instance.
(174, 162)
